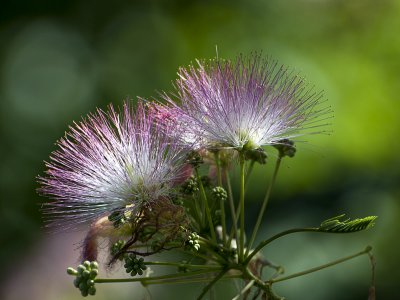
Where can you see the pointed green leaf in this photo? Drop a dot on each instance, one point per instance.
(338, 225)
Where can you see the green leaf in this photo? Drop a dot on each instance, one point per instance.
(338, 225)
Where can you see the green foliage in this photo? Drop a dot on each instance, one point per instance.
(337, 225)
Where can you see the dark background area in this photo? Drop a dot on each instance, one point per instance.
(59, 60)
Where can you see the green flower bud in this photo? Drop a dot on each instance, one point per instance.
(80, 269)
(92, 291)
(94, 265)
(285, 147)
(86, 264)
(195, 159)
(77, 281)
(256, 155)
(85, 277)
(72, 271)
(85, 274)
(193, 241)
(134, 265)
(189, 187)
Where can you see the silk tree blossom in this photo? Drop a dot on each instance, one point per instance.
(108, 162)
(172, 121)
(246, 103)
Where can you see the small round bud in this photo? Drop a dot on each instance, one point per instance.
(86, 264)
(93, 273)
(90, 282)
(85, 274)
(94, 265)
(92, 291)
(77, 281)
(80, 269)
(72, 271)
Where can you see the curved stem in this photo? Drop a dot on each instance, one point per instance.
(244, 290)
(207, 208)
(144, 279)
(190, 280)
(214, 281)
(335, 262)
(264, 204)
(273, 238)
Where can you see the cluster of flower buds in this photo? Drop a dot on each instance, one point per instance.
(219, 193)
(134, 265)
(193, 241)
(190, 186)
(85, 277)
(257, 155)
(286, 148)
(116, 248)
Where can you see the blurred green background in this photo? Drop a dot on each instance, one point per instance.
(60, 60)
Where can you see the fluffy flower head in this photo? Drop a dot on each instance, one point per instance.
(108, 162)
(246, 103)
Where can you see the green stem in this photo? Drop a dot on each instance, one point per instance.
(242, 186)
(338, 261)
(145, 279)
(234, 229)
(216, 259)
(214, 281)
(221, 202)
(264, 204)
(160, 263)
(198, 212)
(190, 280)
(244, 290)
(248, 172)
(273, 238)
(206, 206)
